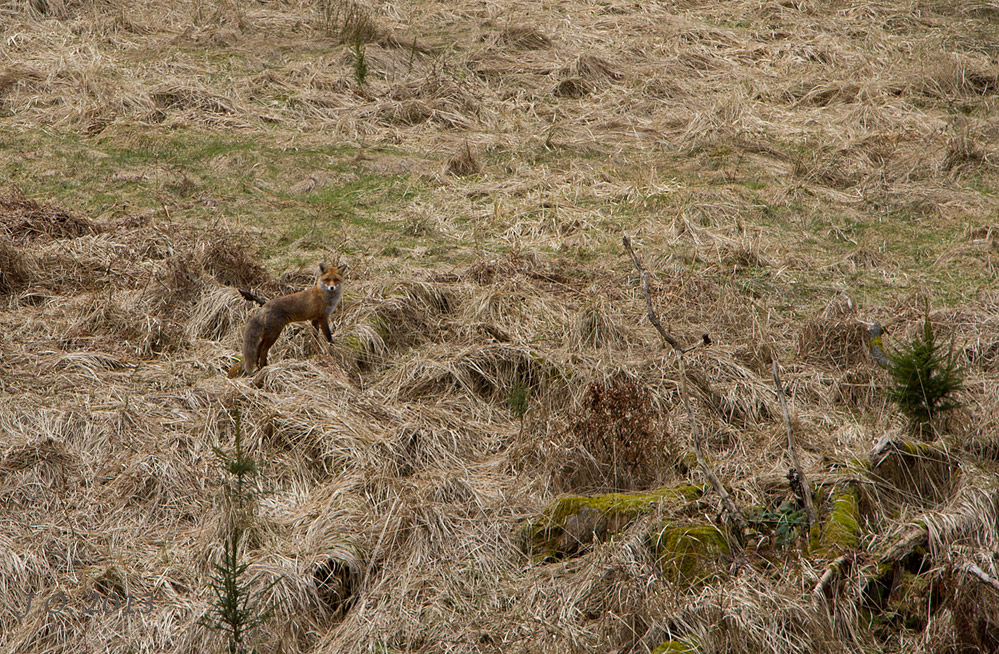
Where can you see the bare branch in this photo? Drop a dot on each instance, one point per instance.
(734, 514)
(978, 573)
(806, 488)
(653, 318)
(834, 571)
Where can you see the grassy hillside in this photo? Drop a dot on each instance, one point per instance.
(787, 171)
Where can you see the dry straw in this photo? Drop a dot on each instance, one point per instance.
(393, 466)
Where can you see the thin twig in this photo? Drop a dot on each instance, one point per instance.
(653, 318)
(792, 448)
(735, 515)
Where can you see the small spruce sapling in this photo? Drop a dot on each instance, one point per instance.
(360, 64)
(926, 377)
(236, 610)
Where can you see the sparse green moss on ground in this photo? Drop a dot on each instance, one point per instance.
(679, 646)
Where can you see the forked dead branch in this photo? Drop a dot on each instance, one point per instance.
(737, 520)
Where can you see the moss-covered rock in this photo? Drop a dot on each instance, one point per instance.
(840, 531)
(689, 554)
(573, 522)
(678, 646)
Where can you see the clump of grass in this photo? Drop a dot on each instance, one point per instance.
(463, 163)
(347, 21)
(13, 267)
(520, 395)
(926, 377)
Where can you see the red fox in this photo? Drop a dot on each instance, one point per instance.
(314, 304)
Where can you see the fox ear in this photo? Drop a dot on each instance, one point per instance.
(343, 268)
(322, 268)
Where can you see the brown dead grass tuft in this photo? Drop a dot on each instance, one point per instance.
(595, 326)
(230, 264)
(14, 269)
(463, 162)
(964, 153)
(584, 75)
(49, 457)
(834, 342)
(25, 219)
(191, 97)
(524, 37)
(17, 75)
(351, 22)
(407, 112)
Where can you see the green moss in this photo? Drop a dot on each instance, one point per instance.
(858, 465)
(380, 325)
(353, 344)
(679, 646)
(630, 504)
(840, 530)
(687, 552)
(572, 521)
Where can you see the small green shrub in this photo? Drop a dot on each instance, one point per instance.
(360, 64)
(926, 377)
(785, 523)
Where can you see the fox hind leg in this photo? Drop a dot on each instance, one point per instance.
(267, 339)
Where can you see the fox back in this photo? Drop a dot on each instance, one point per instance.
(311, 304)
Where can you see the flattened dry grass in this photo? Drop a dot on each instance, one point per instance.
(403, 447)
(786, 171)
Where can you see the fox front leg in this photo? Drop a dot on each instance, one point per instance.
(323, 326)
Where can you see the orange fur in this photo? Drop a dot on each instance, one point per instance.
(313, 304)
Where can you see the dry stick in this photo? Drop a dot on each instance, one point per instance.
(805, 486)
(833, 571)
(653, 318)
(735, 515)
(981, 575)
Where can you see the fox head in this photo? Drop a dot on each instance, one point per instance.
(329, 279)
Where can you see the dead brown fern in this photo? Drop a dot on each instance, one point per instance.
(620, 428)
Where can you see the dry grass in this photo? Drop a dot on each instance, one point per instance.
(786, 169)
